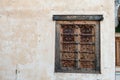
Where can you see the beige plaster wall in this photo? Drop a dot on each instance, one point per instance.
(27, 38)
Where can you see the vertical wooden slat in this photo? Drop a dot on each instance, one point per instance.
(78, 49)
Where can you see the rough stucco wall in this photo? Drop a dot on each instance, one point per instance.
(27, 38)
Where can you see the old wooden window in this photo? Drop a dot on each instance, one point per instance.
(77, 44)
(117, 43)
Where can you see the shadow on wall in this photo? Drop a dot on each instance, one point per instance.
(117, 29)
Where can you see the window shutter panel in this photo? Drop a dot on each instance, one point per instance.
(117, 51)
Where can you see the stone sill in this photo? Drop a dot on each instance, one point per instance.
(117, 70)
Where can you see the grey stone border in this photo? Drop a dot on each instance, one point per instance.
(77, 17)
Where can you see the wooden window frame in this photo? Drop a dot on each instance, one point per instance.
(117, 62)
(117, 52)
(80, 19)
(117, 66)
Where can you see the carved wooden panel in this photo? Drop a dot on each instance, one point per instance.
(68, 63)
(67, 56)
(86, 40)
(88, 64)
(87, 29)
(117, 41)
(77, 43)
(87, 55)
(68, 47)
(68, 38)
(87, 48)
(68, 28)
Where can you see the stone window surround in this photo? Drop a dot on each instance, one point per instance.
(77, 18)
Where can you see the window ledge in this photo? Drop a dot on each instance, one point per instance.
(117, 34)
(117, 69)
(117, 73)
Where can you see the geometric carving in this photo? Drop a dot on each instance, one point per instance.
(86, 29)
(86, 39)
(68, 38)
(68, 28)
(68, 56)
(87, 64)
(68, 63)
(87, 57)
(68, 47)
(87, 51)
(87, 48)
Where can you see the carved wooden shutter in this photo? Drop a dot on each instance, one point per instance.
(87, 46)
(78, 46)
(117, 41)
(68, 46)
